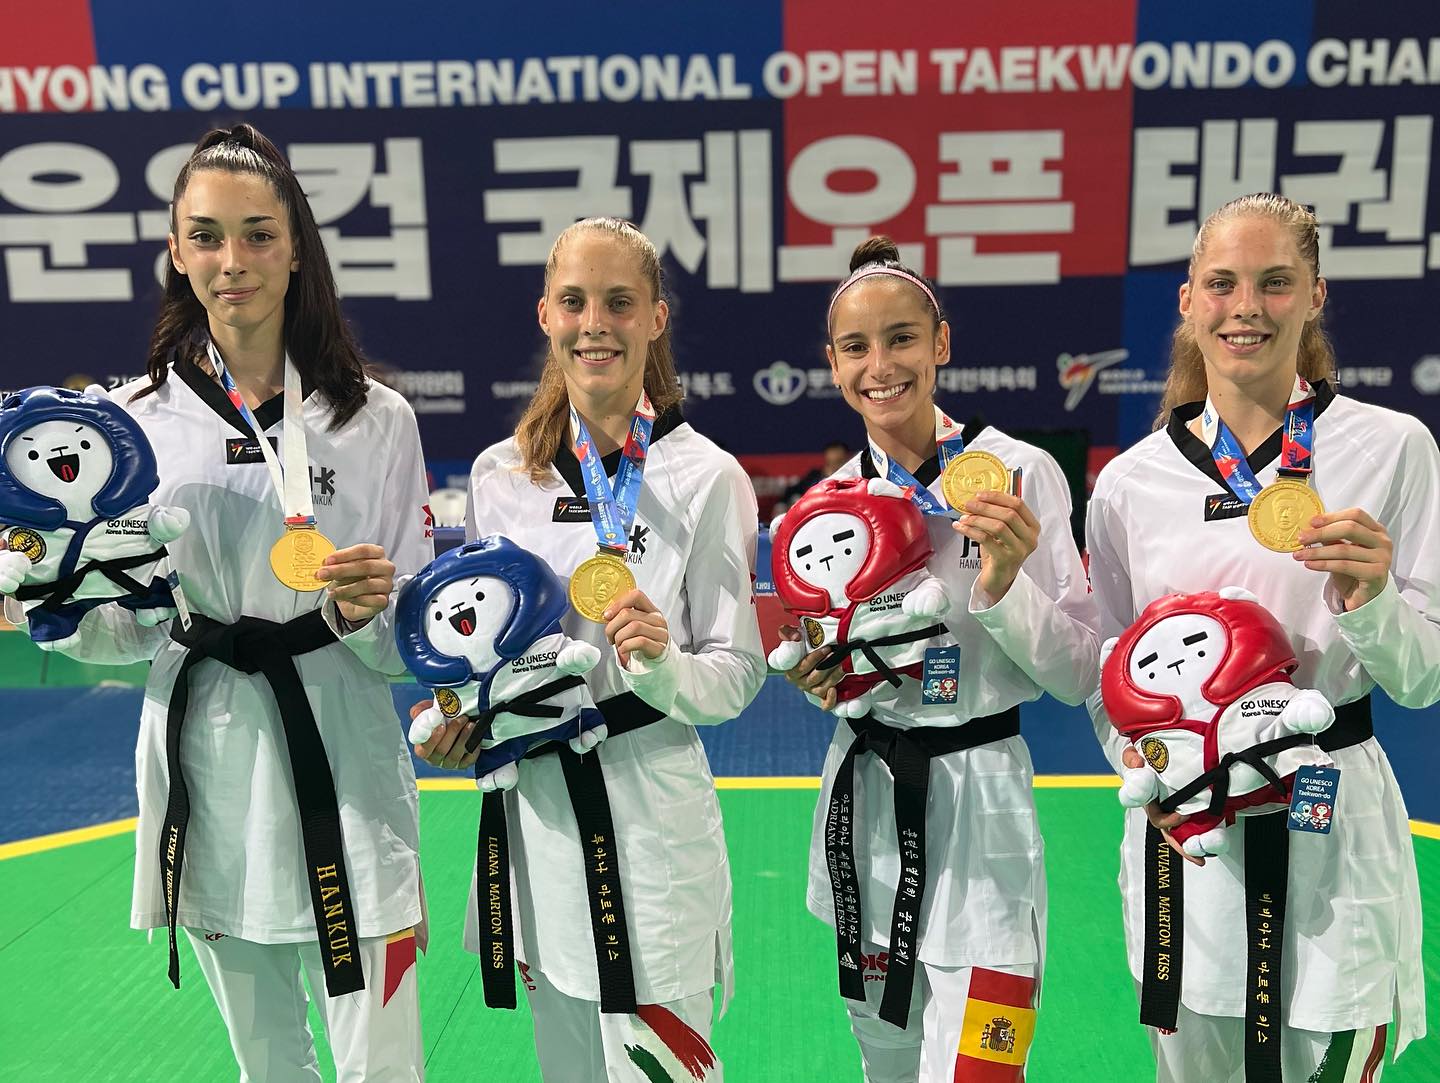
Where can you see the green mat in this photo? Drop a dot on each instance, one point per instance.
(86, 998)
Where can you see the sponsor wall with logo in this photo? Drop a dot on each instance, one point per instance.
(1046, 163)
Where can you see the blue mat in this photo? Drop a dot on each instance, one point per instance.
(69, 752)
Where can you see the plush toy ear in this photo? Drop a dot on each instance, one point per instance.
(1237, 594)
(884, 487)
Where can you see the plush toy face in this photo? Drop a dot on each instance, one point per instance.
(828, 550)
(67, 460)
(464, 618)
(1177, 656)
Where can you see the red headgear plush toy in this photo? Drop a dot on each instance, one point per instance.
(849, 561)
(1200, 685)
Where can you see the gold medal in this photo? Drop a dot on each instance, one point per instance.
(597, 583)
(970, 473)
(296, 557)
(1281, 511)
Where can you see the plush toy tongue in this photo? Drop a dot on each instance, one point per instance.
(464, 621)
(65, 467)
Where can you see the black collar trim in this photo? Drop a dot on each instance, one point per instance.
(929, 470)
(569, 466)
(1194, 448)
(213, 395)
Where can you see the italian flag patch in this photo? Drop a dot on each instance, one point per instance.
(666, 1050)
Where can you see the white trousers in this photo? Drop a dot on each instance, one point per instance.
(577, 1043)
(258, 988)
(942, 1011)
(1211, 1049)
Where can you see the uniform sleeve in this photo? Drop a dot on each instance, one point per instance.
(1396, 635)
(1046, 622)
(406, 534)
(719, 672)
(1107, 544)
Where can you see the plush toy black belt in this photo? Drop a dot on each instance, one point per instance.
(585, 784)
(1267, 872)
(252, 645)
(868, 647)
(60, 591)
(907, 752)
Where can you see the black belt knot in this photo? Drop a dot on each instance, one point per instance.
(869, 648)
(907, 752)
(527, 705)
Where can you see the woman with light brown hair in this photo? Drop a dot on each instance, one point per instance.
(621, 875)
(1252, 425)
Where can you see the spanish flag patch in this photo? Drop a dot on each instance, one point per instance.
(998, 1027)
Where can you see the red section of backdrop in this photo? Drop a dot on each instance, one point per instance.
(1096, 124)
(48, 34)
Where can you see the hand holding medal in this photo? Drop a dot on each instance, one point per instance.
(1007, 532)
(359, 580)
(1353, 547)
(635, 626)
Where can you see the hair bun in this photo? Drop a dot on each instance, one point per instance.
(874, 250)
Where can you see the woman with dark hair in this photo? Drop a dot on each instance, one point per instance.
(1250, 429)
(926, 855)
(270, 767)
(620, 869)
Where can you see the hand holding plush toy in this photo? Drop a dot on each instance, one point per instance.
(75, 469)
(1200, 685)
(849, 561)
(481, 625)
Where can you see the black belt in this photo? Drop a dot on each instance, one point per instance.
(868, 647)
(60, 591)
(585, 784)
(1267, 870)
(252, 645)
(907, 752)
(529, 704)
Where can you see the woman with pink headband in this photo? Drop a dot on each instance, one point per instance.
(925, 836)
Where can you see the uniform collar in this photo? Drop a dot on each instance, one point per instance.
(929, 470)
(569, 467)
(1199, 454)
(213, 395)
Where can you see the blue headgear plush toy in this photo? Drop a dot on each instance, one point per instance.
(481, 625)
(75, 470)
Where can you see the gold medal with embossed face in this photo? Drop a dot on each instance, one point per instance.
(296, 557)
(597, 583)
(1281, 510)
(970, 473)
(448, 702)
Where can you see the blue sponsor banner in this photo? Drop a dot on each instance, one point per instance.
(1048, 170)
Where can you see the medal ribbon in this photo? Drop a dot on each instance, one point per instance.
(948, 444)
(1297, 442)
(612, 512)
(292, 483)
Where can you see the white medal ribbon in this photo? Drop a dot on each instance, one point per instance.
(292, 484)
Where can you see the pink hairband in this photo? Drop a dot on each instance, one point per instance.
(872, 269)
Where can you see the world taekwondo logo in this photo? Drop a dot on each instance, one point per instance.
(1077, 373)
(780, 384)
